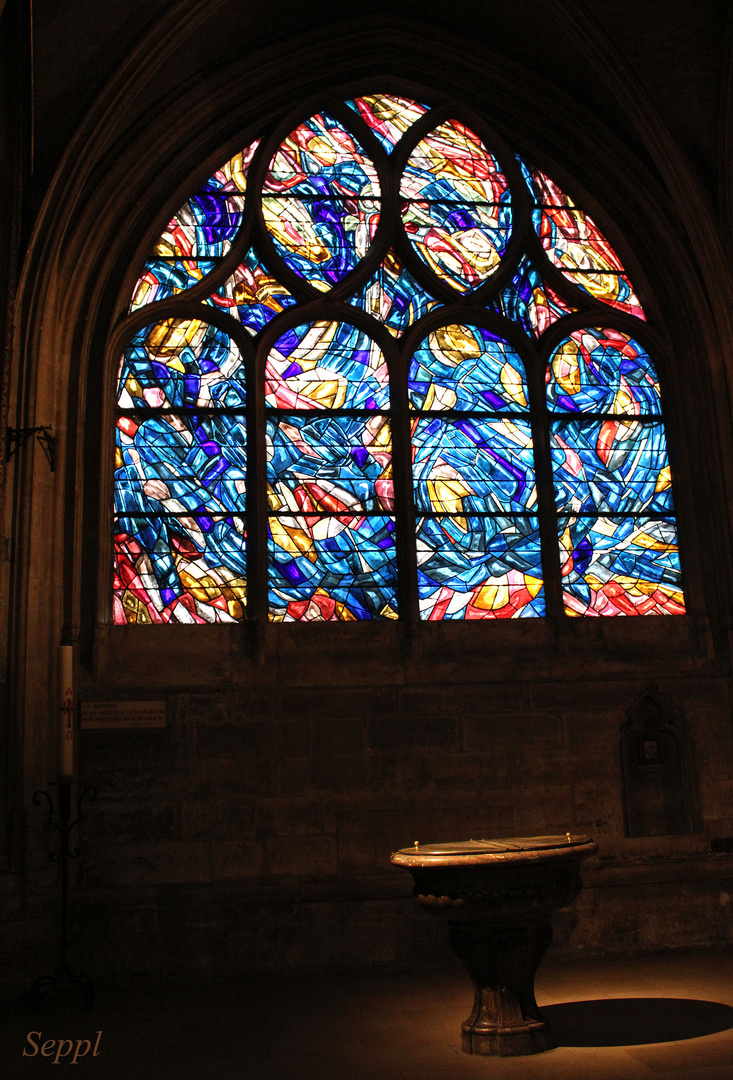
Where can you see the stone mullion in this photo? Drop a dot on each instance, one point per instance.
(257, 499)
(546, 509)
(407, 590)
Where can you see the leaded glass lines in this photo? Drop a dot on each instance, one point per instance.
(474, 487)
(331, 529)
(377, 366)
(618, 550)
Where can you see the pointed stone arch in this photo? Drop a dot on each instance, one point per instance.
(131, 163)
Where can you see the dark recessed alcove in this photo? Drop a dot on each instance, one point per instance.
(658, 770)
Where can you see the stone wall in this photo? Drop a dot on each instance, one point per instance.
(253, 832)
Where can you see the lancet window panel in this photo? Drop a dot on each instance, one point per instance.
(331, 526)
(181, 462)
(380, 367)
(475, 491)
(618, 549)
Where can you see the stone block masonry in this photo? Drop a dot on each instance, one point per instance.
(254, 831)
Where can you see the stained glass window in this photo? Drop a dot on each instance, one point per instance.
(378, 366)
(613, 486)
(331, 528)
(478, 543)
(180, 477)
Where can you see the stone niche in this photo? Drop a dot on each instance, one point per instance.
(660, 787)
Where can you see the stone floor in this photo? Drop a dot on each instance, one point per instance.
(664, 1016)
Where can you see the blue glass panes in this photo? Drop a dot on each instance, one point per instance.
(617, 467)
(326, 365)
(529, 301)
(456, 206)
(321, 239)
(452, 165)
(252, 295)
(326, 426)
(329, 464)
(163, 278)
(597, 370)
(320, 201)
(321, 158)
(471, 465)
(205, 226)
(393, 296)
(479, 567)
(620, 566)
(181, 464)
(198, 235)
(181, 363)
(466, 367)
(332, 554)
(332, 568)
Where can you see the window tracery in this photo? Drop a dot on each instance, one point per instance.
(348, 391)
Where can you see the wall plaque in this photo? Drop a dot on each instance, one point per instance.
(122, 714)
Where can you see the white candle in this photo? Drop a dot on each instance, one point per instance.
(66, 707)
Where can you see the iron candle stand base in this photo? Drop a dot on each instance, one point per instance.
(62, 977)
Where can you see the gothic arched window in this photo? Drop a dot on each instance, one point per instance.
(378, 366)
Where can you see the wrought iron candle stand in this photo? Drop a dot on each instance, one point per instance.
(62, 976)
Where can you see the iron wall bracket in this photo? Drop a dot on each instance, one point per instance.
(18, 437)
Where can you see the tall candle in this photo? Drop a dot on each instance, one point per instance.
(66, 713)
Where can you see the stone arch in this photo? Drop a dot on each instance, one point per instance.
(131, 163)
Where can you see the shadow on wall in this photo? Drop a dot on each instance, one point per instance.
(632, 1021)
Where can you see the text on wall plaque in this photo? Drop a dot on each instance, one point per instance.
(122, 714)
